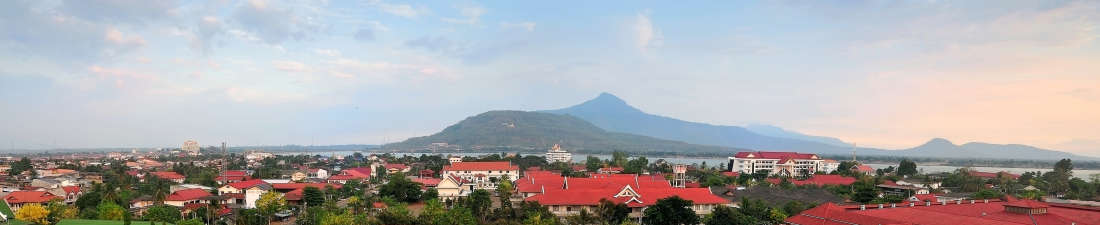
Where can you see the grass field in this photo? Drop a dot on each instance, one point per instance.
(6, 211)
(98, 222)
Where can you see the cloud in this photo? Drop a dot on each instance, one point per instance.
(647, 35)
(439, 44)
(529, 26)
(261, 96)
(366, 33)
(402, 10)
(289, 66)
(119, 11)
(204, 33)
(327, 52)
(29, 30)
(271, 23)
(471, 14)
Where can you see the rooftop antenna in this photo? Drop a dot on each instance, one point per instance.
(853, 152)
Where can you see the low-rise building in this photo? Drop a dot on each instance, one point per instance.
(995, 212)
(636, 191)
(483, 174)
(186, 196)
(556, 154)
(168, 175)
(786, 164)
(18, 199)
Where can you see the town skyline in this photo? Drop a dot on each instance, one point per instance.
(883, 75)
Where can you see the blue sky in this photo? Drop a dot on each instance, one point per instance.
(888, 74)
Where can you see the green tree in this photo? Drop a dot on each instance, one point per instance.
(110, 211)
(540, 219)
(845, 168)
(250, 217)
(907, 168)
(34, 214)
(397, 214)
(986, 194)
(618, 158)
(190, 222)
(670, 211)
(161, 213)
(429, 194)
(864, 191)
(1058, 180)
(270, 203)
(479, 203)
(592, 163)
(401, 188)
(582, 218)
(724, 215)
(611, 212)
(24, 164)
(312, 196)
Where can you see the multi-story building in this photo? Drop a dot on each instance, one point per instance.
(566, 196)
(191, 147)
(933, 212)
(482, 173)
(556, 154)
(776, 163)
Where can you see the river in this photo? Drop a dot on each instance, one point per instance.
(714, 161)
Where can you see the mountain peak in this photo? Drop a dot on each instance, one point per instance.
(939, 141)
(607, 99)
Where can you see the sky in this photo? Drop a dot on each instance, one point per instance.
(887, 74)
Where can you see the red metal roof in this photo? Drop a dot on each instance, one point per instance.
(966, 213)
(480, 166)
(819, 180)
(428, 182)
(294, 195)
(358, 173)
(168, 175)
(246, 184)
(71, 189)
(29, 197)
(294, 186)
(187, 194)
(775, 155)
(395, 166)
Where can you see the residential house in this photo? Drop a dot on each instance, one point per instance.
(18, 199)
(245, 193)
(358, 173)
(636, 191)
(168, 175)
(1011, 211)
(786, 164)
(484, 174)
(185, 197)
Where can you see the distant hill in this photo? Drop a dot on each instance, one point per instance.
(945, 148)
(613, 114)
(774, 131)
(541, 130)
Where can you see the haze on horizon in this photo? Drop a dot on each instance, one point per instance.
(131, 73)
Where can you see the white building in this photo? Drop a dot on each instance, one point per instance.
(777, 163)
(454, 159)
(828, 166)
(482, 173)
(257, 156)
(556, 154)
(191, 147)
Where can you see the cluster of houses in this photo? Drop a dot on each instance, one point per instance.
(563, 195)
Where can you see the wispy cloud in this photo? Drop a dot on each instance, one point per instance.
(647, 35)
(471, 15)
(528, 26)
